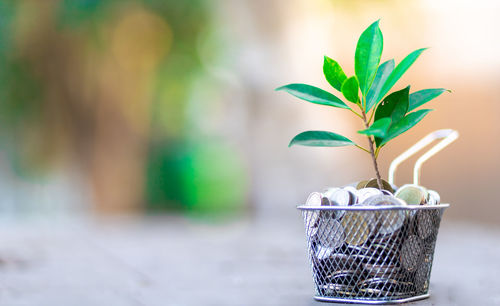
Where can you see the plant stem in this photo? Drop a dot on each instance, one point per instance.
(363, 149)
(372, 152)
(355, 113)
(377, 150)
(371, 117)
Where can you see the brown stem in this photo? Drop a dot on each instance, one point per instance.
(372, 153)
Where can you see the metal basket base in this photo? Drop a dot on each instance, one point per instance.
(371, 302)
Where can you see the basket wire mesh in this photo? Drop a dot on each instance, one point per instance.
(380, 254)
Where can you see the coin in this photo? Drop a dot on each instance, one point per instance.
(325, 201)
(411, 253)
(389, 220)
(314, 199)
(365, 193)
(383, 254)
(323, 252)
(384, 286)
(341, 197)
(310, 216)
(330, 191)
(386, 192)
(382, 270)
(422, 277)
(337, 290)
(433, 197)
(344, 276)
(357, 228)
(359, 253)
(342, 260)
(412, 194)
(331, 234)
(426, 225)
(374, 184)
(361, 184)
(353, 191)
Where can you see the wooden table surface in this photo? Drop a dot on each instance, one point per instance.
(175, 261)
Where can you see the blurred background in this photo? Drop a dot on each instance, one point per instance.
(165, 106)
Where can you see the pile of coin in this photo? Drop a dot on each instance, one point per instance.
(372, 253)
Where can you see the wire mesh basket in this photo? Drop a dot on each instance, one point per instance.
(371, 254)
(375, 254)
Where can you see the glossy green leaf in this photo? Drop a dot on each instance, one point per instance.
(405, 124)
(383, 72)
(333, 73)
(313, 95)
(350, 89)
(394, 105)
(421, 97)
(400, 69)
(379, 128)
(320, 139)
(367, 57)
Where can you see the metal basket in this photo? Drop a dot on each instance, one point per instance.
(371, 254)
(375, 254)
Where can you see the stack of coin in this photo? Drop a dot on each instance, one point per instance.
(372, 253)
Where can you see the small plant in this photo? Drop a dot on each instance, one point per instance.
(383, 121)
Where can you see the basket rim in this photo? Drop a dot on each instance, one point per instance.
(373, 208)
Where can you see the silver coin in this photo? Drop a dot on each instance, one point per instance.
(422, 277)
(382, 270)
(365, 193)
(353, 191)
(331, 234)
(325, 201)
(411, 253)
(323, 252)
(358, 227)
(426, 223)
(338, 289)
(330, 191)
(412, 194)
(311, 216)
(390, 220)
(433, 197)
(314, 199)
(387, 192)
(341, 197)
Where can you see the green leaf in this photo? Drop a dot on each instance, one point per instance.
(394, 105)
(367, 57)
(405, 124)
(350, 89)
(378, 128)
(313, 95)
(421, 97)
(320, 139)
(383, 72)
(399, 71)
(333, 73)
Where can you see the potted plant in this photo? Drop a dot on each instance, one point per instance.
(370, 242)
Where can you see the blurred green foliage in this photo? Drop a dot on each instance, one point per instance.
(202, 175)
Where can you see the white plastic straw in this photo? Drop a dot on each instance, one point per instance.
(448, 135)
